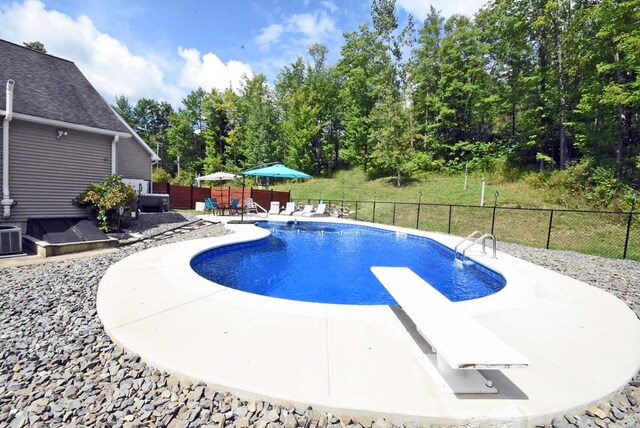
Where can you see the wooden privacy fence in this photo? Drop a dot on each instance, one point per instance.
(185, 197)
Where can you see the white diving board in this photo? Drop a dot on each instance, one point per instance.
(462, 345)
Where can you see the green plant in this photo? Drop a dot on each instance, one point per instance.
(183, 178)
(104, 200)
(160, 175)
(421, 163)
(582, 182)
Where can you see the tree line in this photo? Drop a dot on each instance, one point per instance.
(530, 84)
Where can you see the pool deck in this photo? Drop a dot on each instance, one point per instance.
(583, 343)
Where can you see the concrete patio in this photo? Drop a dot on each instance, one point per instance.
(363, 359)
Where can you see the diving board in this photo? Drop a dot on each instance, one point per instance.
(462, 345)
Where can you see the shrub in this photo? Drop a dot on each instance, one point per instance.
(421, 163)
(105, 198)
(160, 175)
(183, 178)
(582, 181)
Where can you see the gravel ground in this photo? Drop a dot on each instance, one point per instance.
(59, 368)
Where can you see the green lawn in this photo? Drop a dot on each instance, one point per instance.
(440, 189)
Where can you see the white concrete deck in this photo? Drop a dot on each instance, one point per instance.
(583, 344)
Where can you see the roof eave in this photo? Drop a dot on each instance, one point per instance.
(154, 156)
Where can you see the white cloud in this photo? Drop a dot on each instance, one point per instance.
(300, 29)
(329, 5)
(208, 71)
(295, 33)
(108, 63)
(420, 8)
(314, 27)
(269, 35)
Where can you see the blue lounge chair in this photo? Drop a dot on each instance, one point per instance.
(234, 205)
(211, 205)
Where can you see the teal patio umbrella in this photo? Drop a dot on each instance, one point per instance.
(277, 170)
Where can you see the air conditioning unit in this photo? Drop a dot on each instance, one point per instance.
(10, 239)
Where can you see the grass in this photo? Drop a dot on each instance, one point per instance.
(436, 189)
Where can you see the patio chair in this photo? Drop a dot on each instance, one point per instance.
(211, 205)
(250, 206)
(289, 209)
(308, 209)
(319, 212)
(275, 207)
(234, 205)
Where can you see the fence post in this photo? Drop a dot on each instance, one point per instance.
(549, 232)
(626, 239)
(634, 198)
(393, 222)
(450, 208)
(191, 206)
(493, 219)
(418, 215)
(374, 211)
(356, 211)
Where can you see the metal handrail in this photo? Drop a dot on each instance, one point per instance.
(483, 238)
(257, 207)
(468, 238)
(262, 208)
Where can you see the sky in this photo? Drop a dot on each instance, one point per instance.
(163, 50)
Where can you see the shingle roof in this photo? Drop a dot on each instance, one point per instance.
(52, 88)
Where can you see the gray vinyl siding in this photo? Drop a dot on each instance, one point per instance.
(132, 160)
(46, 173)
(1, 122)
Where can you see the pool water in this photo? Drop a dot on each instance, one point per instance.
(330, 263)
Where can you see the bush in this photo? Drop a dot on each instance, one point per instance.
(582, 181)
(105, 198)
(184, 178)
(160, 175)
(421, 163)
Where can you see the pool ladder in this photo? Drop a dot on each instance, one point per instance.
(473, 239)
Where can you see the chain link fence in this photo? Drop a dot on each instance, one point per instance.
(601, 233)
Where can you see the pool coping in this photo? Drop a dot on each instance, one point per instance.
(583, 343)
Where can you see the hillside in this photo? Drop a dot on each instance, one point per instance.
(439, 189)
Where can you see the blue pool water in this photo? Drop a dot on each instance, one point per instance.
(330, 263)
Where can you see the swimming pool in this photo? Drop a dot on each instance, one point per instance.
(330, 263)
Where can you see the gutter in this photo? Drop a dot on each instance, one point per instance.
(6, 201)
(66, 125)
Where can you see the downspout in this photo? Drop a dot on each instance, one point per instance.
(6, 201)
(116, 138)
(153, 162)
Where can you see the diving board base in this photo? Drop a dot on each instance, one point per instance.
(461, 381)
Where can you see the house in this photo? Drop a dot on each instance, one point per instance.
(58, 136)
